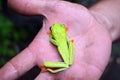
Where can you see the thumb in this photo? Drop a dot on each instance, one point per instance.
(32, 7)
(45, 76)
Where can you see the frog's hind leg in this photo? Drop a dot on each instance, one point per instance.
(55, 67)
(56, 70)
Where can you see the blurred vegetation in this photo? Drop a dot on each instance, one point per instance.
(116, 49)
(9, 38)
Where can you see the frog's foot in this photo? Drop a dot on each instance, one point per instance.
(72, 41)
(67, 28)
(43, 68)
(48, 33)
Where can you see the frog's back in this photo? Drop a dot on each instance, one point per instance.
(58, 31)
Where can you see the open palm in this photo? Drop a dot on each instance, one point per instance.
(91, 39)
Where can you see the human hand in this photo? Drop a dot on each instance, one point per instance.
(92, 42)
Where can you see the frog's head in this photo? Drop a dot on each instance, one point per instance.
(57, 29)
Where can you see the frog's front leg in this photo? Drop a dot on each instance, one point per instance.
(53, 41)
(55, 67)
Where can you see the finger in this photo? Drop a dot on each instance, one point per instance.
(18, 65)
(45, 76)
(32, 7)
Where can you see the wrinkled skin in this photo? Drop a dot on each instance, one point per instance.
(92, 41)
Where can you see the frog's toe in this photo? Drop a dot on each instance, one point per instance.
(67, 28)
(43, 70)
(42, 66)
